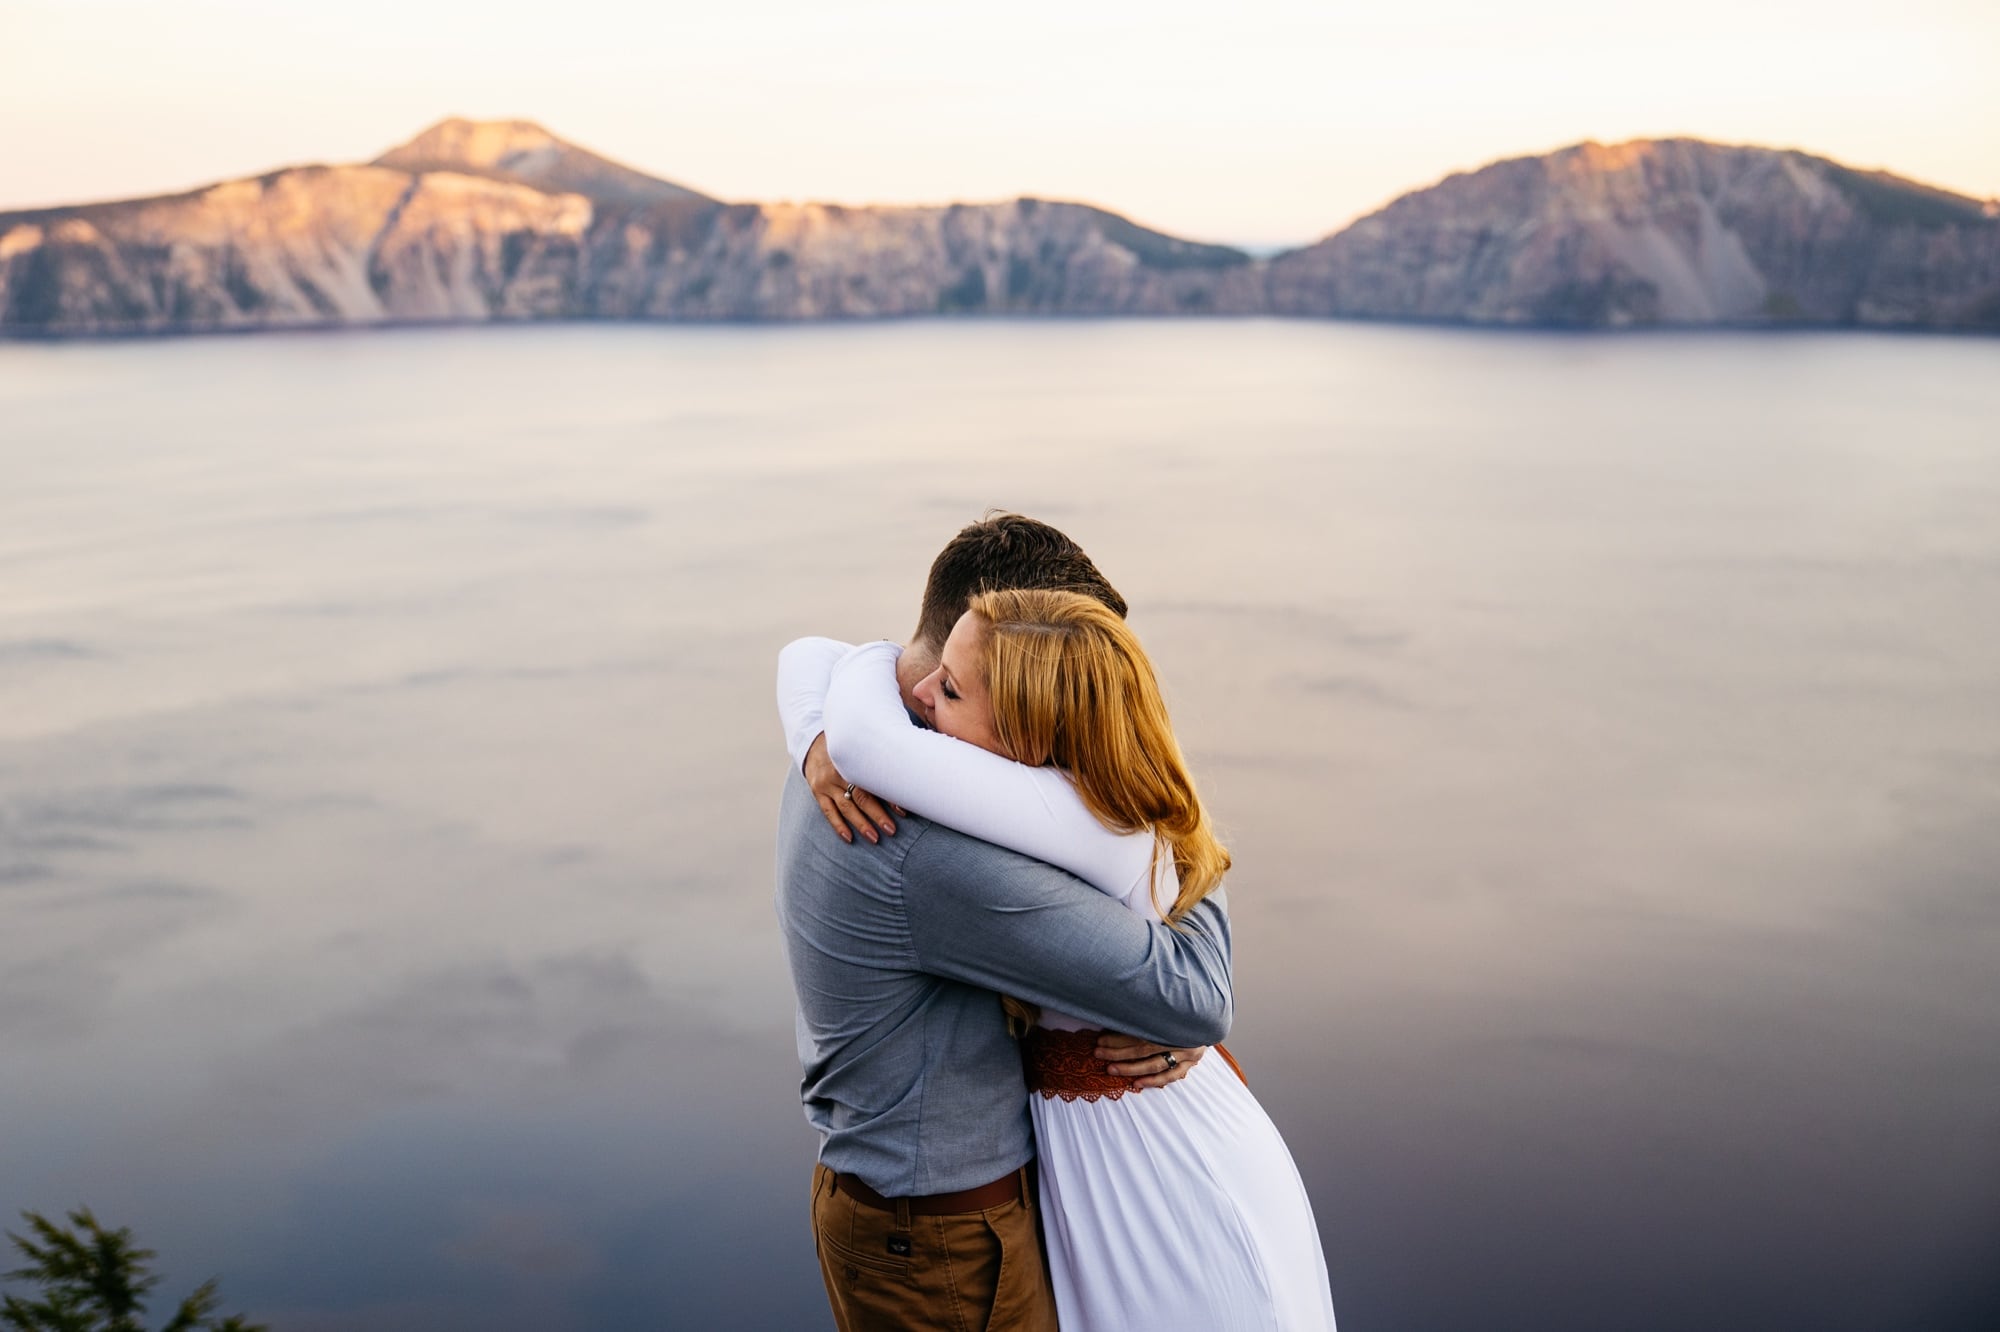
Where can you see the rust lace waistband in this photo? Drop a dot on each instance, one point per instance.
(1063, 1063)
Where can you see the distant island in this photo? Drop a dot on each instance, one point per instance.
(476, 221)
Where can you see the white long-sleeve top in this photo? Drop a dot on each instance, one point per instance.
(850, 693)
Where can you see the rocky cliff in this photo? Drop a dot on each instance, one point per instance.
(502, 220)
(1660, 232)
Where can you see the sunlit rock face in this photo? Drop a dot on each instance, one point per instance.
(285, 249)
(314, 245)
(457, 247)
(1660, 232)
(501, 220)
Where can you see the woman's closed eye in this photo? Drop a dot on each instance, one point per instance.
(949, 692)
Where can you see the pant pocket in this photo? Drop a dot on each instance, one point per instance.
(882, 1264)
(868, 1292)
(1022, 1298)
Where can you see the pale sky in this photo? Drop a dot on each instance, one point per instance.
(1263, 122)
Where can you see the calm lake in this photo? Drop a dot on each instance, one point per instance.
(1607, 729)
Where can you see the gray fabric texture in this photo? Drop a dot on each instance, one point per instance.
(898, 954)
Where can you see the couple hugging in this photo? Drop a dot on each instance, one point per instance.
(1051, 849)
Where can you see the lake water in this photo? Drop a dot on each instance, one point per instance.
(1607, 730)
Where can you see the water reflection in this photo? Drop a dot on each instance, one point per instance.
(1606, 730)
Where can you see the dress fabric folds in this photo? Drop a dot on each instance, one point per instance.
(1177, 1208)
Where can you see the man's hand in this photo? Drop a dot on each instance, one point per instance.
(1144, 1061)
(843, 804)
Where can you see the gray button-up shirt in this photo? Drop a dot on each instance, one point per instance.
(898, 954)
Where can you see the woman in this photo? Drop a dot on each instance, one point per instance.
(1176, 1207)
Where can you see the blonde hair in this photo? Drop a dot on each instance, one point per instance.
(1070, 686)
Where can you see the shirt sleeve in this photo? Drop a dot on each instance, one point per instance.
(805, 666)
(1036, 811)
(1003, 922)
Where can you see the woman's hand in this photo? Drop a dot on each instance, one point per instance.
(843, 803)
(1145, 1062)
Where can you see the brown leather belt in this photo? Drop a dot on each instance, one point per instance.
(1010, 1187)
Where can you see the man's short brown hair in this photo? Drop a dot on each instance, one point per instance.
(1005, 552)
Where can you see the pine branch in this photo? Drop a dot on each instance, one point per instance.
(60, 1312)
(97, 1280)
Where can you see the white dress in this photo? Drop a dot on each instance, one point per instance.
(1174, 1208)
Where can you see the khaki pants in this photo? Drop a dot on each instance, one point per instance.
(973, 1272)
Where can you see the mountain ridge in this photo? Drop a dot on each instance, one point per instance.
(521, 152)
(1660, 231)
(503, 220)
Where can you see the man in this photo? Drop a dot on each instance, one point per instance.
(900, 937)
